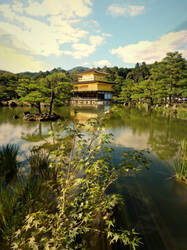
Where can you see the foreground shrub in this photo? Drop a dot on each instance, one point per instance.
(84, 173)
(8, 162)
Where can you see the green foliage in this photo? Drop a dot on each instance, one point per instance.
(170, 75)
(182, 113)
(84, 173)
(181, 163)
(8, 162)
(23, 195)
(39, 163)
(162, 82)
(126, 91)
(16, 202)
(55, 87)
(8, 85)
(140, 73)
(7, 219)
(29, 90)
(116, 76)
(60, 85)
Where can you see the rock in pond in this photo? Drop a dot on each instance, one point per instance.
(16, 117)
(41, 117)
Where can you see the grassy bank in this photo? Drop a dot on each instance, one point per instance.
(175, 110)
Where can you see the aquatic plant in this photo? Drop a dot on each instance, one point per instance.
(8, 162)
(181, 163)
(7, 220)
(39, 163)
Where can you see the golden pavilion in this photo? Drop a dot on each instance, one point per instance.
(92, 88)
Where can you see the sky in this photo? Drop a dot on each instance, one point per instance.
(39, 35)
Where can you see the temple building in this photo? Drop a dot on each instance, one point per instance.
(92, 88)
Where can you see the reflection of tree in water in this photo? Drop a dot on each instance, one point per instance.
(180, 189)
(7, 115)
(164, 133)
(37, 135)
(164, 147)
(162, 139)
(42, 137)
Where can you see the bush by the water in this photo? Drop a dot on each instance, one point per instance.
(181, 163)
(59, 210)
(8, 162)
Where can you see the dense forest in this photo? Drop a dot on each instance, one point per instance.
(161, 82)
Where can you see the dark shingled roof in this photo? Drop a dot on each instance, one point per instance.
(92, 70)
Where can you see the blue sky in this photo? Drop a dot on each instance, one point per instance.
(42, 34)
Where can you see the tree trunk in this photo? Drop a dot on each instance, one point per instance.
(151, 101)
(39, 108)
(171, 87)
(169, 99)
(165, 100)
(51, 102)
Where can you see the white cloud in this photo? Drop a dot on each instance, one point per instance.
(131, 139)
(102, 63)
(106, 34)
(43, 27)
(18, 6)
(81, 50)
(153, 51)
(10, 133)
(87, 64)
(15, 61)
(67, 8)
(126, 10)
(96, 40)
(49, 36)
(95, 23)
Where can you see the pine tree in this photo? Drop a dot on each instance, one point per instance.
(172, 72)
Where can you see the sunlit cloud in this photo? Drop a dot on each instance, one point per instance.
(81, 50)
(125, 10)
(69, 9)
(153, 51)
(49, 35)
(106, 34)
(15, 61)
(102, 63)
(127, 138)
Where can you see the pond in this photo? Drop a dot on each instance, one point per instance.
(156, 205)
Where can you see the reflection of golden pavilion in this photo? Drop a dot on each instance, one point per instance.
(83, 115)
(92, 88)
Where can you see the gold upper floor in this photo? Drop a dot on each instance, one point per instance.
(92, 75)
(92, 80)
(93, 86)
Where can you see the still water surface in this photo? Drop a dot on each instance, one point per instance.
(156, 206)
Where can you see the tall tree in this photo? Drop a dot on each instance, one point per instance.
(144, 91)
(173, 74)
(56, 87)
(29, 90)
(118, 83)
(139, 73)
(8, 85)
(127, 91)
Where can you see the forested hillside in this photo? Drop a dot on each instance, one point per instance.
(161, 82)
